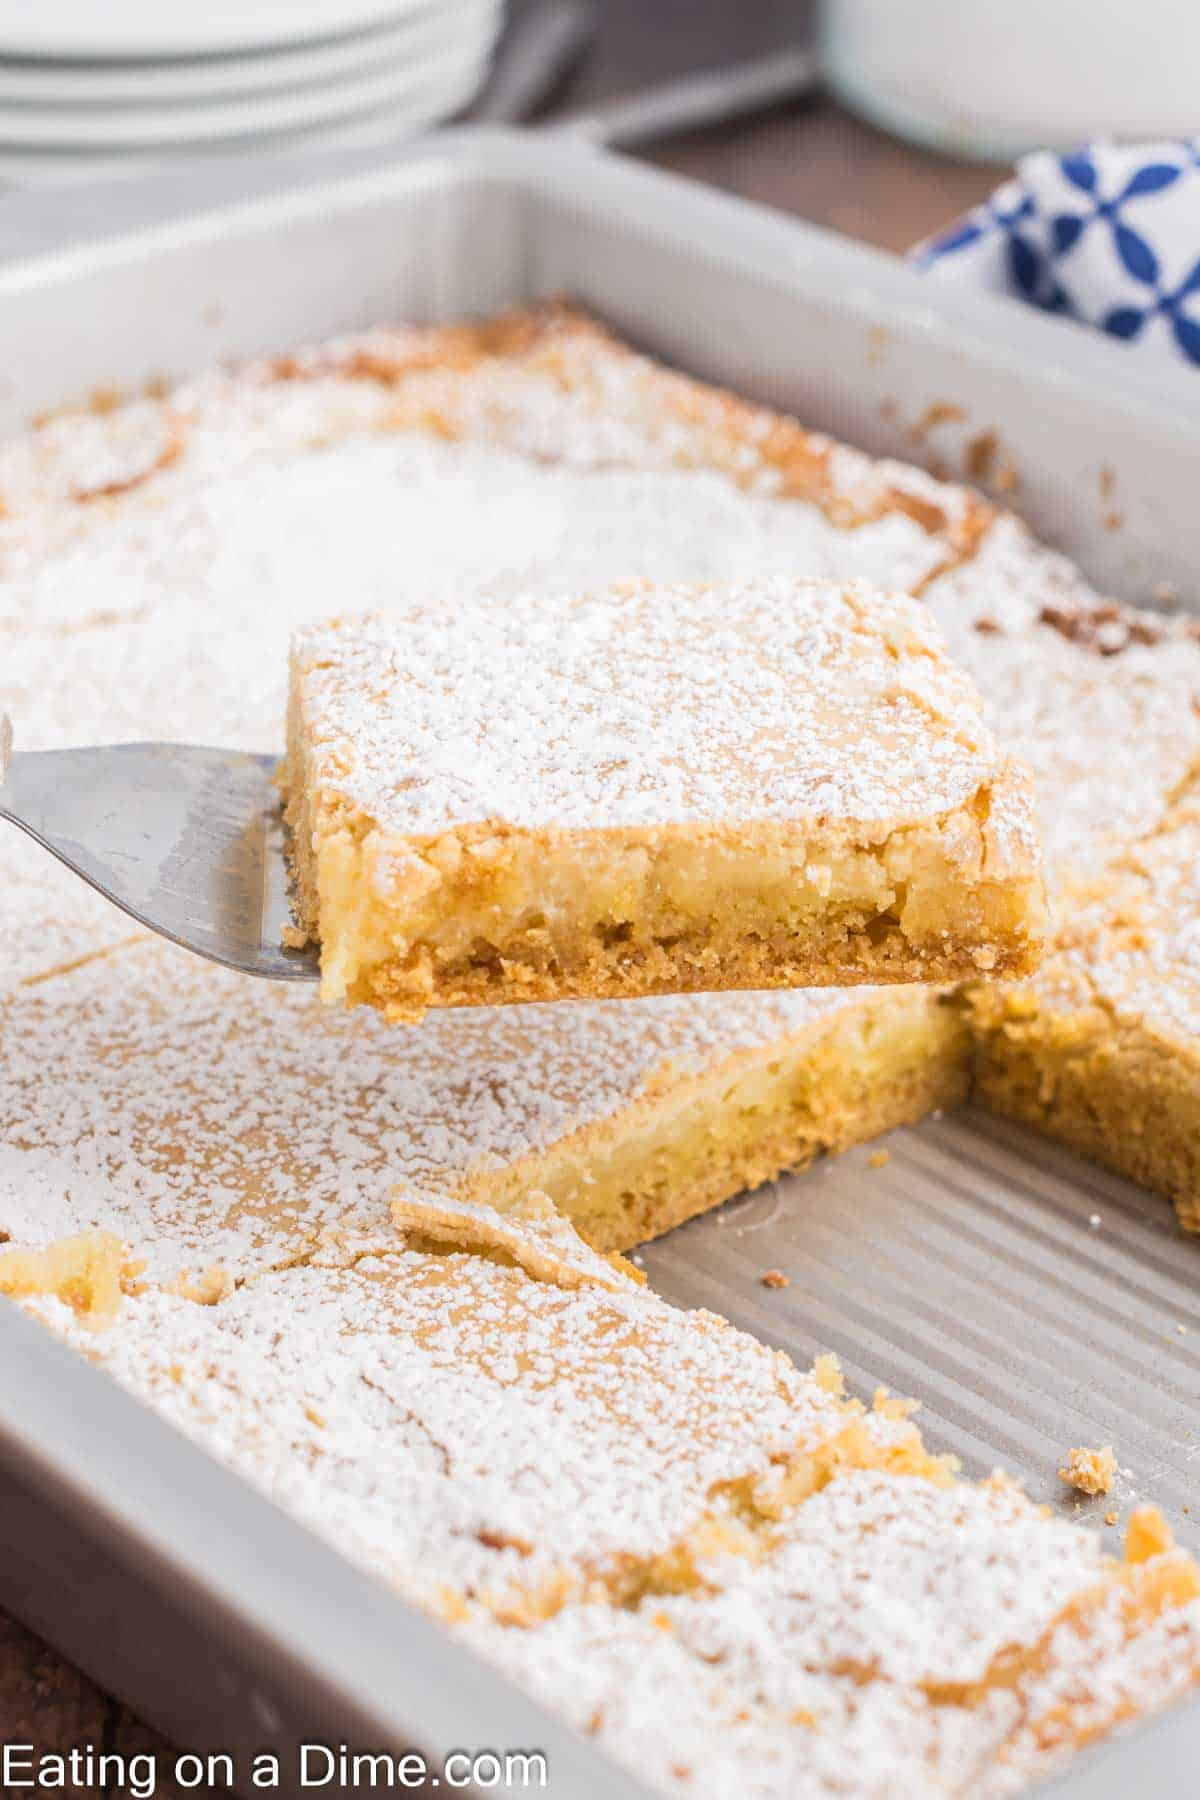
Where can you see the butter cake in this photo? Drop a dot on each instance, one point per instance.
(649, 790)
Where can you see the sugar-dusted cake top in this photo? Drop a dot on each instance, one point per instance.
(212, 1120)
(1069, 679)
(644, 705)
(465, 1430)
(1128, 943)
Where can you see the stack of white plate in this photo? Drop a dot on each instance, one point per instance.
(105, 86)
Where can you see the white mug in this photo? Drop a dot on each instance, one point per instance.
(994, 78)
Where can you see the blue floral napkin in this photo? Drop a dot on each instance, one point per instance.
(1109, 234)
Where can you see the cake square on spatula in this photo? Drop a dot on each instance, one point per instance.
(650, 790)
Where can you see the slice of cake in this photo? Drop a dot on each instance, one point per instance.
(650, 790)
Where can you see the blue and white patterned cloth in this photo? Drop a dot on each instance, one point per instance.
(1109, 234)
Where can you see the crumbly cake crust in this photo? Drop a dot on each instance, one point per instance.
(654, 788)
(154, 559)
(88, 1273)
(1099, 1048)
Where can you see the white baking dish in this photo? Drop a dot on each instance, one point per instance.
(965, 1271)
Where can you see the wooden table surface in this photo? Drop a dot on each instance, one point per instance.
(810, 159)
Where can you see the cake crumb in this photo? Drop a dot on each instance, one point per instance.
(90, 1273)
(1147, 1535)
(775, 1278)
(1110, 1518)
(294, 937)
(979, 459)
(208, 1288)
(879, 1159)
(1090, 1471)
(893, 1406)
(940, 412)
(828, 1375)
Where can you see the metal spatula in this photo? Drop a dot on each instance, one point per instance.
(187, 841)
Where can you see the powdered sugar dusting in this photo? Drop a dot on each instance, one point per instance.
(887, 1577)
(206, 1118)
(1130, 944)
(511, 1456)
(466, 1431)
(842, 1663)
(644, 705)
(1027, 626)
(1105, 704)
